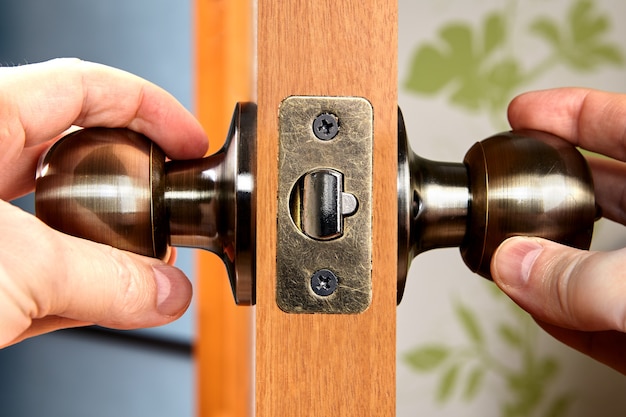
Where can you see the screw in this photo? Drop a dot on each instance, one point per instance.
(324, 282)
(326, 126)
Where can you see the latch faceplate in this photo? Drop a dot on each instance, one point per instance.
(324, 247)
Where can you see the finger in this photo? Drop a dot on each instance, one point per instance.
(564, 286)
(46, 273)
(17, 177)
(610, 187)
(608, 347)
(171, 256)
(40, 101)
(591, 119)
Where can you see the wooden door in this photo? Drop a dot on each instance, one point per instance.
(318, 364)
(308, 364)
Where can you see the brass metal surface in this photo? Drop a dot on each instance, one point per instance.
(348, 257)
(520, 183)
(526, 183)
(114, 186)
(105, 185)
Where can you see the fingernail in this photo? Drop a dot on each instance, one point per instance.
(514, 260)
(173, 290)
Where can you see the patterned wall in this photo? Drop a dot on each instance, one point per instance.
(464, 349)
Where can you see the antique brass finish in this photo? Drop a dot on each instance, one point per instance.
(514, 183)
(338, 263)
(113, 186)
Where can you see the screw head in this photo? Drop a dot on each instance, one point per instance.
(326, 126)
(324, 282)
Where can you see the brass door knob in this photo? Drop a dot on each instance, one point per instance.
(514, 183)
(114, 186)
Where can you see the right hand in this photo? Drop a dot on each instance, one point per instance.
(577, 296)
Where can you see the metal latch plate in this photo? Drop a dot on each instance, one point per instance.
(304, 263)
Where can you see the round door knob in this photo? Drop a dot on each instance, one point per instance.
(514, 183)
(115, 187)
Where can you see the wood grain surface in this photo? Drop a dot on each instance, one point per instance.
(316, 364)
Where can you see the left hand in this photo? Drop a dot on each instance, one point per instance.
(49, 280)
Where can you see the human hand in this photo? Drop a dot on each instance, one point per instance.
(579, 297)
(49, 280)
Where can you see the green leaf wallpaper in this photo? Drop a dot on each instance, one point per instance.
(464, 349)
(462, 368)
(478, 70)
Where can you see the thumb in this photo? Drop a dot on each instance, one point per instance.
(46, 273)
(564, 286)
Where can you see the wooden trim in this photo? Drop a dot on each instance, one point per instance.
(320, 365)
(223, 349)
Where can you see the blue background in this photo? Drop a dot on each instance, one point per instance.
(71, 373)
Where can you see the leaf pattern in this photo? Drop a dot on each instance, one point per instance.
(579, 42)
(470, 323)
(474, 383)
(458, 61)
(477, 72)
(426, 358)
(448, 383)
(475, 69)
(510, 335)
